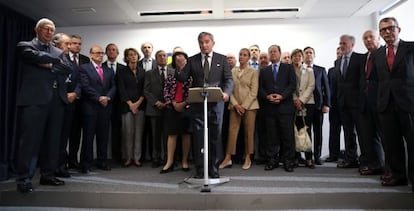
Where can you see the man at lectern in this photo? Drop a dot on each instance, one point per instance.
(208, 68)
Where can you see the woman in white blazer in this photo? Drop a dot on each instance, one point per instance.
(303, 96)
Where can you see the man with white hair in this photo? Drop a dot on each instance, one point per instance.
(41, 98)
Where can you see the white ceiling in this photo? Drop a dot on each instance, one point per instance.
(112, 12)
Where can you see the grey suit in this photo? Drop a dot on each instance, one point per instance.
(153, 92)
(219, 75)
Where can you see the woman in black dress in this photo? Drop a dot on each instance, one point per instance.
(177, 120)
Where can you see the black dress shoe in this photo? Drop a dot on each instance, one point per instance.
(318, 162)
(185, 169)
(368, 171)
(310, 164)
(62, 173)
(289, 168)
(331, 159)
(394, 182)
(271, 165)
(25, 188)
(348, 164)
(199, 173)
(170, 169)
(51, 181)
(214, 175)
(301, 161)
(104, 166)
(386, 176)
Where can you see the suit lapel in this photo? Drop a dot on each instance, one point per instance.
(401, 51)
(95, 73)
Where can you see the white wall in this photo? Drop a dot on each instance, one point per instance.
(230, 35)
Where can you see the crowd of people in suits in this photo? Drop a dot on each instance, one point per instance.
(69, 101)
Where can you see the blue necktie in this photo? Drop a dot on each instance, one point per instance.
(274, 71)
(255, 65)
(344, 65)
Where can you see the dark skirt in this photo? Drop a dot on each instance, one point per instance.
(177, 123)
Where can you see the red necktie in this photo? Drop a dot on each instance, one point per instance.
(390, 56)
(75, 59)
(100, 72)
(368, 67)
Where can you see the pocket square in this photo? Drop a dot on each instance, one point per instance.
(218, 65)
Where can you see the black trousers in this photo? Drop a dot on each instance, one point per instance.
(75, 133)
(95, 125)
(350, 120)
(157, 125)
(371, 142)
(280, 134)
(397, 126)
(215, 147)
(41, 132)
(316, 119)
(66, 130)
(335, 125)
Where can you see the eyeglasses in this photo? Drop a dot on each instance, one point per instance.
(388, 28)
(98, 53)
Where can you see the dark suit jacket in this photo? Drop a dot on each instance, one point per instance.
(36, 87)
(398, 83)
(333, 87)
(368, 87)
(130, 87)
(154, 90)
(322, 92)
(285, 85)
(83, 59)
(220, 75)
(73, 82)
(93, 88)
(154, 63)
(348, 85)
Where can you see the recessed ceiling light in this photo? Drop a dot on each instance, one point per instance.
(83, 10)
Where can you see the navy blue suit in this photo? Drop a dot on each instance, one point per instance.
(41, 98)
(279, 117)
(335, 122)
(96, 117)
(322, 96)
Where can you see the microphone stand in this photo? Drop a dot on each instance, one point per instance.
(206, 181)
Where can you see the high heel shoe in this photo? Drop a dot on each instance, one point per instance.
(226, 165)
(137, 163)
(246, 167)
(127, 163)
(170, 169)
(185, 168)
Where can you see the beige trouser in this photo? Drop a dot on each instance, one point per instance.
(248, 119)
